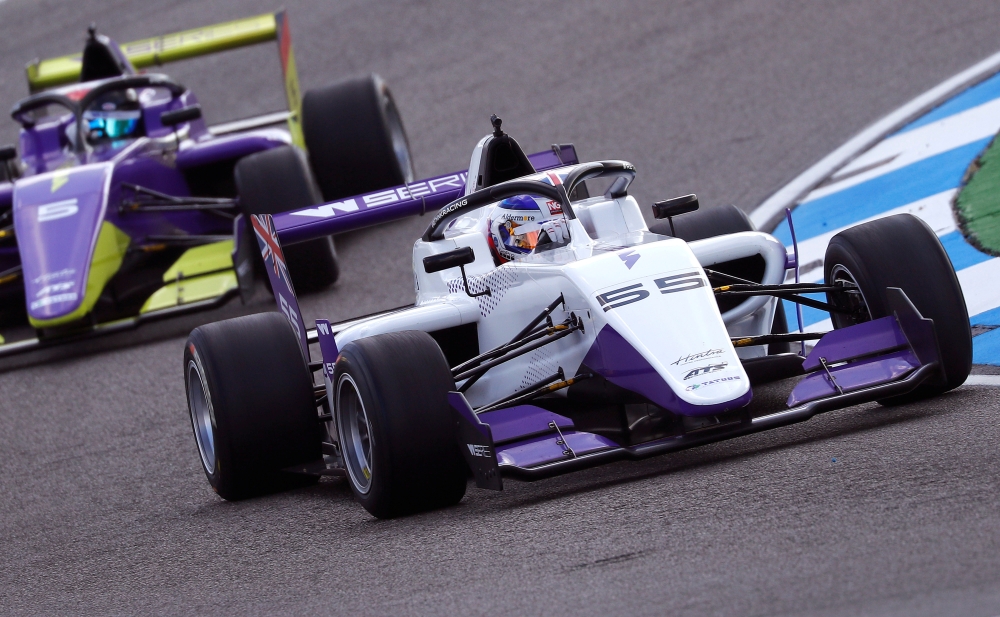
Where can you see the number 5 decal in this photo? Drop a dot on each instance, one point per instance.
(680, 282)
(623, 296)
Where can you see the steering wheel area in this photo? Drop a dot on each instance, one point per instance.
(625, 172)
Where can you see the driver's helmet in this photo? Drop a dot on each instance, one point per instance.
(116, 115)
(522, 225)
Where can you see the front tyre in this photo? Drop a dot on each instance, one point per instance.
(395, 426)
(902, 251)
(250, 397)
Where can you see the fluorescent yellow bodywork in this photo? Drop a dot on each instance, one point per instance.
(188, 290)
(201, 273)
(162, 49)
(201, 260)
(108, 254)
(294, 97)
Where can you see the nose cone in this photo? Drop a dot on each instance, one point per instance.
(662, 336)
(64, 242)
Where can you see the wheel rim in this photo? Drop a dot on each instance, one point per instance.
(852, 300)
(355, 433)
(400, 145)
(201, 417)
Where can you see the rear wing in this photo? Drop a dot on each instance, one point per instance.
(156, 51)
(394, 203)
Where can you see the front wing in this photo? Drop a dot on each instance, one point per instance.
(871, 361)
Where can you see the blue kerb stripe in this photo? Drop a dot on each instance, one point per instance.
(809, 314)
(989, 318)
(892, 190)
(973, 97)
(962, 254)
(986, 348)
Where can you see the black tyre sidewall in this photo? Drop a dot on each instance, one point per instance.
(279, 180)
(346, 127)
(902, 251)
(264, 414)
(403, 380)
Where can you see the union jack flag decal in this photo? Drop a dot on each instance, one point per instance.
(263, 226)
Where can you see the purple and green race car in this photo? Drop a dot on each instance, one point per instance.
(121, 205)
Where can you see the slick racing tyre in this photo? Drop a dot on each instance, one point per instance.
(279, 180)
(355, 138)
(395, 426)
(250, 395)
(902, 251)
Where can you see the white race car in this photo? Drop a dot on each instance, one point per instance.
(553, 330)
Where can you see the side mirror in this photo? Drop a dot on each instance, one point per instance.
(180, 116)
(457, 258)
(452, 259)
(672, 207)
(8, 168)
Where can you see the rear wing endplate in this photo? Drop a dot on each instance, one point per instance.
(160, 50)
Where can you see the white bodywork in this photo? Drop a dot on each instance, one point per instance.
(611, 248)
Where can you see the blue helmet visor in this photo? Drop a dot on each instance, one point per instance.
(114, 125)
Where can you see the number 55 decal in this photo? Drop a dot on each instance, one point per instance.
(666, 285)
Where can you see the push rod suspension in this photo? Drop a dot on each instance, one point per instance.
(541, 317)
(546, 387)
(517, 396)
(545, 337)
(764, 339)
(186, 240)
(161, 202)
(499, 351)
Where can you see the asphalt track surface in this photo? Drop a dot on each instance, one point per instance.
(864, 511)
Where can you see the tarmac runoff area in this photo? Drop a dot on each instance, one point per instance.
(866, 511)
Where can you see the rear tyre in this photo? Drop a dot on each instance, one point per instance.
(279, 180)
(250, 396)
(395, 425)
(355, 137)
(902, 251)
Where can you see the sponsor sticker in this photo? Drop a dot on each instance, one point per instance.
(45, 278)
(713, 382)
(55, 288)
(629, 257)
(56, 299)
(415, 190)
(705, 370)
(694, 357)
(477, 450)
